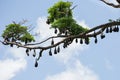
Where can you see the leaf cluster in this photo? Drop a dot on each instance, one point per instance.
(59, 10)
(17, 32)
(68, 24)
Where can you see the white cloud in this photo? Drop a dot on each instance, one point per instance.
(9, 68)
(83, 24)
(12, 62)
(74, 70)
(77, 72)
(43, 29)
(71, 52)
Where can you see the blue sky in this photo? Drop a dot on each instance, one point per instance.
(77, 62)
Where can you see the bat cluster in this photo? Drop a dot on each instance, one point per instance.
(86, 40)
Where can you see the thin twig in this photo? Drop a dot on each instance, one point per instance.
(60, 36)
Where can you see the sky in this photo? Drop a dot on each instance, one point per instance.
(78, 62)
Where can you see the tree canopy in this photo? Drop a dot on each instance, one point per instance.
(16, 32)
(61, 18)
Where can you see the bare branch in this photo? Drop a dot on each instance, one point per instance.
(58, 36)
(111, 4)
(74, 7)
(23, 21)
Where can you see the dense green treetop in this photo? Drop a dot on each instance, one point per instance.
(16, 32)
(61, 18)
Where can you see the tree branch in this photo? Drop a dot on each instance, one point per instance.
(58, 36)
(111, 4)
(90, 33)
(66, 41)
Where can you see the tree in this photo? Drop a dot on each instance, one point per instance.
(61, 20)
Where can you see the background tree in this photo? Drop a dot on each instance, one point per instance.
(61, 19)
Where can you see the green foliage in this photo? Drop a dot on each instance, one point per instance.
(27, 36)
(60, 17)
(64, 22)
(59, 10)
(69, 24)
(77, 29)
(17, 32)
(14, 30)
